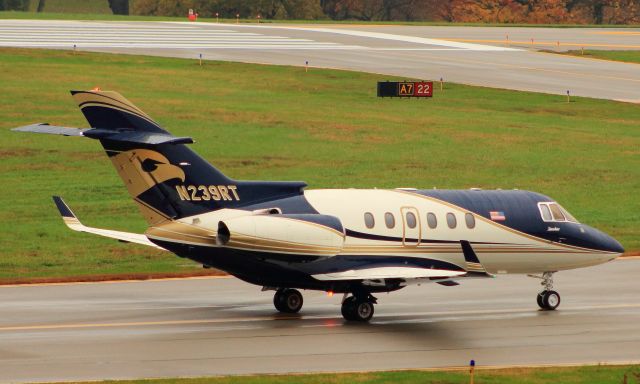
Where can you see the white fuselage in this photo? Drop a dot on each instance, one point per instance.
(500, 249)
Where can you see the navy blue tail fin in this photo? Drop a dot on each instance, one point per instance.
(166, 178)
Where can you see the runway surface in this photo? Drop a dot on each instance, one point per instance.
(495, 57)
(216, 326)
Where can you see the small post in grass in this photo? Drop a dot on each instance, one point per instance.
(441, 83)
(237, 18)
(306, 66)
(217, 17)
(568, 97)
(582, 50)
(472, 366)
(200, 59)
(74, 49)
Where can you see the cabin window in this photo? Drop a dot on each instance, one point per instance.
(369, 221)
(411, 220)
(470, 220)
(554, 212)
(567, 215)
(546, 213)
(389, 220)
(451, 220)
(432, 220)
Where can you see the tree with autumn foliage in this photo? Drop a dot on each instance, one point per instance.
(477, 11)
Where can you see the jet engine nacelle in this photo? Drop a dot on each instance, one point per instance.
(306, 234)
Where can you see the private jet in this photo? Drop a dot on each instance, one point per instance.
(356, 242)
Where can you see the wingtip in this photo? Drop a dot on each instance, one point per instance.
(63, 208)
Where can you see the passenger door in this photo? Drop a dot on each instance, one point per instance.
(411, 228)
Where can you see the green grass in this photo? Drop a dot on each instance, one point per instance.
(73, 6)
(69, 12)
(566, 375)
(279, 123)
(626, 56)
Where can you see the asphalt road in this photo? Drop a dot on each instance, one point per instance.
(215, 326)
(495, 57)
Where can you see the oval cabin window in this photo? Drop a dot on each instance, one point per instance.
(432, 220)
(411, 220)
(451, 220)
(369, 221)
(389, 220)
(471, 221)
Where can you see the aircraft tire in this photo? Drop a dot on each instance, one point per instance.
(539, 300)
(551, 300)
(357, 310)
(363, 310)
(288, 300)
(348, 308)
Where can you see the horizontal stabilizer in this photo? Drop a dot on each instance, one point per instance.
(389, 273)
(138, 137)
(121, 135)
(72, 222)
(51, 129)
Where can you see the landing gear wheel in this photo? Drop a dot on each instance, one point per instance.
(348, 308)
(550, 300)
(539, 300)
(363, 311)
(354, 309)
(288, 300)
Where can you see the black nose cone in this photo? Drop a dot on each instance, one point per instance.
(612, 245)
(606, 243)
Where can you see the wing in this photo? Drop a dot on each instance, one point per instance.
(474, 269)
(399, 272)
(72, 222)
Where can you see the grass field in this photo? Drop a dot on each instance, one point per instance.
(279, 123)
(626, 56)
(565, 375)
(74, 6)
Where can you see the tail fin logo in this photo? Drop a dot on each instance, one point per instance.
(142, 169)
(158, 166)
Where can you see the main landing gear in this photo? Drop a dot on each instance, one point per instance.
(548, 299)
(358, 307)
(287, 300)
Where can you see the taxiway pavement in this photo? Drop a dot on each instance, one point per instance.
(216, 326)
(495, 57)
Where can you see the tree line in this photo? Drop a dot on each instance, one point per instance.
(480, 11)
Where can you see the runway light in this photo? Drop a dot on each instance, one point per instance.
(96, 89)
(330, 293)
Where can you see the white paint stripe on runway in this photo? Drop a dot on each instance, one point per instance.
(163, 41)
(391, 37)
(183, 46)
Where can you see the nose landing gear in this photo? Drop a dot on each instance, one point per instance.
(548, 299)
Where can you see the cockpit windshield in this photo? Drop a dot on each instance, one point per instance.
(554, 212)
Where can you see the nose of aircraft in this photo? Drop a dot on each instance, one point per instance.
(604, 242)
